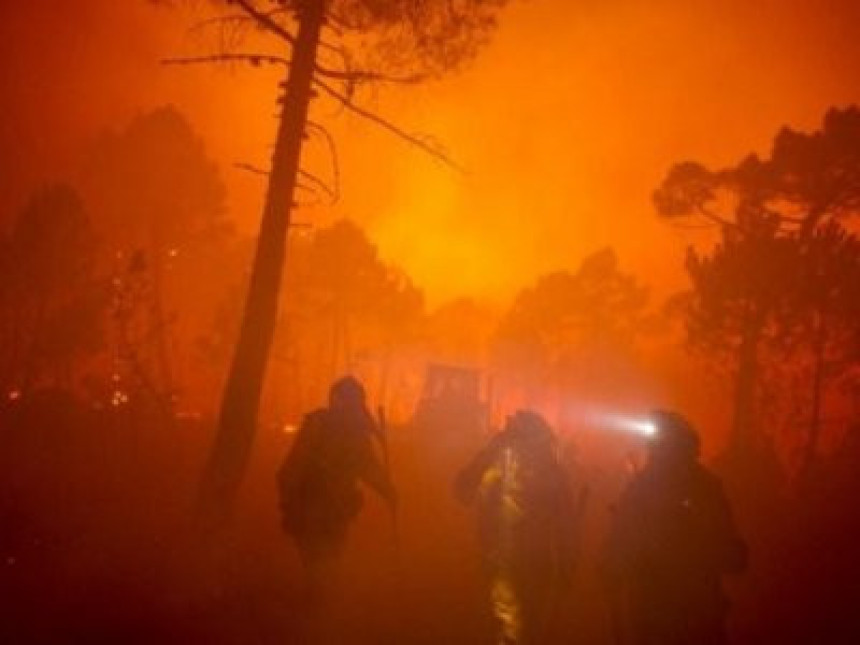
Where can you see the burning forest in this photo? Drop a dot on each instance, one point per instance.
(460, 321)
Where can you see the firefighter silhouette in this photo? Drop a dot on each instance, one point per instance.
(524, 510)
(319, 480)
(672, 540)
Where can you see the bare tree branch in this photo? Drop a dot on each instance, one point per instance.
(265, 19)
(230, 28)
(241, 165)
(364, 76)
(412, 139)
(348, 75)
(313, 179)
(340, 50)
(345, 63)
(251, 59)
(231, 19)
(319, 183)
(335, 161)
(336, 23)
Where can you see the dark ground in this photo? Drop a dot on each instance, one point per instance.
(97, 546)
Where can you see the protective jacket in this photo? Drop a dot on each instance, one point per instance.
(525, 513)
(319, 480)
(672, 539)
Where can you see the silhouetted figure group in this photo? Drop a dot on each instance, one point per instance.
(671, 541)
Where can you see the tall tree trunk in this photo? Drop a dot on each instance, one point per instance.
(240, 403)
(164, 372)
(818, 379)
(744, 419)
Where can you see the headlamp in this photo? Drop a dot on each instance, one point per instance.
(643, 426)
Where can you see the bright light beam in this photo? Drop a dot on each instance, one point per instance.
(638, 425)
(645, 428)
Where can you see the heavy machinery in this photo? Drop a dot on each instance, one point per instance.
(452, 405)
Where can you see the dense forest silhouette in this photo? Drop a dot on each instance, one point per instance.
(156, 361)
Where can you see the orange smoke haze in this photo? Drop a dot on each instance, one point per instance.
(535, 278)
(565, 124)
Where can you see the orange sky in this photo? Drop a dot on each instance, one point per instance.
(566, 123)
